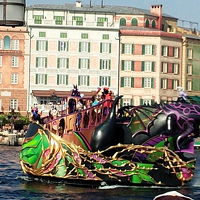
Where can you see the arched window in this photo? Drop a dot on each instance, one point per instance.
(6, 42)
(147, 23)
(134, 22)
(153, 24)
(122, 22)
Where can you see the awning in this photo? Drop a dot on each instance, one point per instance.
(50, 93)
(61, 94)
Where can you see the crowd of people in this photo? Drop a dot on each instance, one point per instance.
(76, 103)
(101, 95)
(81, 103)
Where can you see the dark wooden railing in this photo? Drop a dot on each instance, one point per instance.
(79, 120)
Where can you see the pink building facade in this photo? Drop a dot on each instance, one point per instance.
(13, 75)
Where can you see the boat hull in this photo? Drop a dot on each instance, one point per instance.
(47, 155)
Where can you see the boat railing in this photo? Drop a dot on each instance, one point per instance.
(80, 119)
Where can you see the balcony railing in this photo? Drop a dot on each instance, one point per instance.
(10, 51)
(73, 23)
(84, 119)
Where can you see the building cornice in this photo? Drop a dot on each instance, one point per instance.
(74, 28)
(149, 33)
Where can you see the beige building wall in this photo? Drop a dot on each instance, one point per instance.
(95, 38)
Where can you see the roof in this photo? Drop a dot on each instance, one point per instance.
(96, 8)
(195, 37)
(149, 32)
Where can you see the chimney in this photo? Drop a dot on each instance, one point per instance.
(102, 4)
(78, 4)
(90, 3)
(157, 10)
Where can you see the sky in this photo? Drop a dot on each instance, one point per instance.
(185, 10)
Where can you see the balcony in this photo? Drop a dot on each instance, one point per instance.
(11, 52)
(45, 22)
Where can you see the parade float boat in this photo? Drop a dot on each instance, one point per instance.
(131, 145)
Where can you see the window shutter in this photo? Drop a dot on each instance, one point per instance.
(58, 62)
(122, 81)
(101, 63)
(153, 66)
(66, 79)
(46, 45)
(109, 64)
(88, 80)
(121, 102)
(132, 102)
(132, 65)
(88, 64)
(161, 83)
(168, 51)
(167, 67)
(37, 45)
(110, 48)
(168, 84)
(132, 48)
(100, 80)
(143, 49)
(178, 52)
(152, 82)
(143, 82)
(36, 62)
(45, 79)
(141, 101)
(36, 81)
(67, 43)
(67, 63)
(100, 47)
(58, 45)
(142, 65)
(45, 62)
(79, 46)
(122, 65)
(178, 68)
(88, 46)
(123, 48)
(109, 81)
(79, 80)
(172, 67)
(153, 49)
(57, 79)
(132, 82)
(79, 63)
(162, 50)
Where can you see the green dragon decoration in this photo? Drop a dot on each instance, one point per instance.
(45, 154)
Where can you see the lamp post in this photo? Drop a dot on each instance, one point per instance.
(12, 12)
(29, 70)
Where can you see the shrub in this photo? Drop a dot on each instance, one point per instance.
(16, 119)
(4, 120)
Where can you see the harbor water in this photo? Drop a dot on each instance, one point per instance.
(14, 185)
